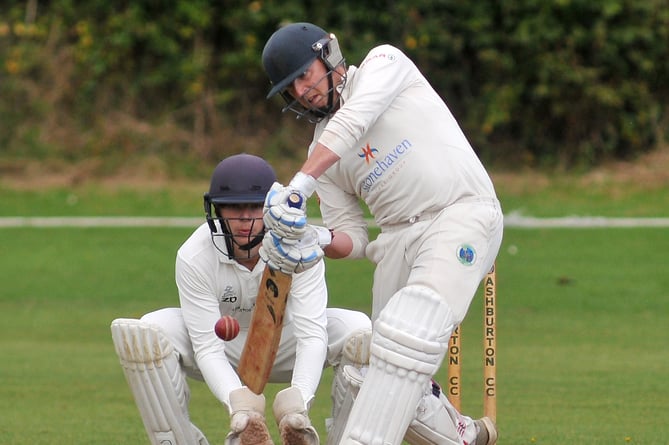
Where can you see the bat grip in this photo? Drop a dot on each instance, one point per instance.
(295, 200)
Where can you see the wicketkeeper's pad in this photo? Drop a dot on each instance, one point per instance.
(346, 384)
(157, 382)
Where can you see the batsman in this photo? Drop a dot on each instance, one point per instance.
(384, 136)
(218, 272)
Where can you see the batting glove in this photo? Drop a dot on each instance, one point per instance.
(295, 257)
(284, 217)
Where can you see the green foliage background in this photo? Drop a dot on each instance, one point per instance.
(555, 83)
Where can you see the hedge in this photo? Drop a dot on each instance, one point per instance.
(554, 83)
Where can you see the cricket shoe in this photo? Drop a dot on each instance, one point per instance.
(487, 431)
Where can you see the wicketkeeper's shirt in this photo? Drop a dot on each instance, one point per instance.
(211, 285)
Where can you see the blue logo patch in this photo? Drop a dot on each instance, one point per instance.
(466, 254)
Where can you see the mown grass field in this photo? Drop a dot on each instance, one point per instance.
(583, 323)
(582, 334)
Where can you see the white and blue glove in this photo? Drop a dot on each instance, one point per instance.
(296, 256)
(288, 219)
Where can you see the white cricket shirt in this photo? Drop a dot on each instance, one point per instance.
(211, 285)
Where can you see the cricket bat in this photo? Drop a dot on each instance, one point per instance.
(262, 342)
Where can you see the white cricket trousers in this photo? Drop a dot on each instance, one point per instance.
(449, 252)
(341, 322)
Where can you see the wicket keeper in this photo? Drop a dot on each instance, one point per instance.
(218, 269)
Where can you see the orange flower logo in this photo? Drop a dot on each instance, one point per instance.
(368, 153)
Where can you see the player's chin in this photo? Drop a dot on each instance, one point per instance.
(244, 238)
(318, 103)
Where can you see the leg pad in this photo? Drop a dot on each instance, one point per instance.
(158, 384)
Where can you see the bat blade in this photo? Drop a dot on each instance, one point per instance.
(262, 342)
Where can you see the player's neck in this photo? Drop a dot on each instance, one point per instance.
(249, 263)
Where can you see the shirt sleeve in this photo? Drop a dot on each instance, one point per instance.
(307, 308)
(342, 211)
(200, 310)
(384, 74)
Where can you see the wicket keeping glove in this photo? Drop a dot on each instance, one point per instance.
(286, 219)
(291, 414)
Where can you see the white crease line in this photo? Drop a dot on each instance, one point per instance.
(583, 222)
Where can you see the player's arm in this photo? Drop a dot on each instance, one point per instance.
(320, 159)
(200, 311)
(342, 212)
(378, 82)
(307, 308)
(383, 79)
(384, 74)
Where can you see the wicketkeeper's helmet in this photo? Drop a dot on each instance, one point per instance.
(238, 179)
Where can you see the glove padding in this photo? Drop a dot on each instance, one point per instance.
(288, 223)
(247, 420)
(296, 257)
(291, 414)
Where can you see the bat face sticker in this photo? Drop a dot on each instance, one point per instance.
(271, 293)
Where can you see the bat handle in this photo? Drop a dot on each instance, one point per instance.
(295, 200)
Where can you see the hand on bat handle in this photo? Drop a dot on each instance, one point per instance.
(285, 213)
(295, 257)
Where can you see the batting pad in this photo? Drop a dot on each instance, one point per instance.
(157, 382)
(408, 345)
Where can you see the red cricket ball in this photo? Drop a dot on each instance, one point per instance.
(226, 328)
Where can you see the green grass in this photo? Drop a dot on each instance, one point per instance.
(583, 320)
(528, 194)
(582, 336)
(87, 200)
